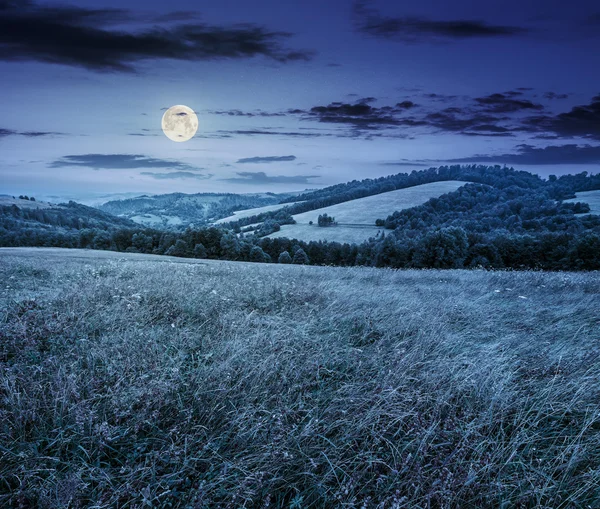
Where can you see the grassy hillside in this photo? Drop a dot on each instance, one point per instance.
(240, 214)
(592, 198)
(8, 201)
(132, 381)
(356, 218)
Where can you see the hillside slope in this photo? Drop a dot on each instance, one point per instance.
(197, 384)
(242, 214)
(179, 210)
(356, 218)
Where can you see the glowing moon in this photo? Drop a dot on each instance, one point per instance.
(179, 123)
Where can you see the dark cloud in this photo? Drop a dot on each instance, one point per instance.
(28, 134)
(267, 159)
(530, 155)
(260, 177)
(580, 121)
(239, 113)
(261, 132)
(405, 105)
(118, 162)
(554, 95)
(176, 175)
(414, 30)
(466, 122)
(359, 115)
(505, 103)
(440, 97)
(87, 38)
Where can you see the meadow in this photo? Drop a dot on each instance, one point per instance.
(145, 381)
(592, 198)
(356, 218)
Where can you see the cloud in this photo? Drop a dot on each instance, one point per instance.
(554, 95)
(466, 122)
(260, 177)
(268, 159)
(505, 103)
(359, 115)
(239, 113)
(530, 155)
(416, 30)
(118, 162)
(406, 105)
(261, 132)
(85, 37)
(176, 175)
(580, 121)
(28, 134)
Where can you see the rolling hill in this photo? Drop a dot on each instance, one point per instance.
(242, 214)
(179, 210)
(356, 218)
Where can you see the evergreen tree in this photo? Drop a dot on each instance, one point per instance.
(180, 248)
(300, 257)
(199, 251)
(284, 257)
(258, 255)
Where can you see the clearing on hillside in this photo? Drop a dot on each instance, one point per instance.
(241, 214)
(133, 381)
(356, 218)
(592, 198)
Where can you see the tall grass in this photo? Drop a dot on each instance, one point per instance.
(130, 383)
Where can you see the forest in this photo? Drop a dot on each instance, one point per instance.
(502, 219)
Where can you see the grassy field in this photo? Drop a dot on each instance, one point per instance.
(592, 198)
(143, 381)
(241, 214)
(354, 234)
(356, 218)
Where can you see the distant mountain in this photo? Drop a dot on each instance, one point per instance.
(179, 210)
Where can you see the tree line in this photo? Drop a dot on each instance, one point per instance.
(512, 220)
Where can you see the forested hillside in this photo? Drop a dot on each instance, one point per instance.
(508, 219)
(179, 210)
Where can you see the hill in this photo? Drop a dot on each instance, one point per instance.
(243, 214)
(129, 380)
(356, 218)
(179, 210)
(35, 223)
(8, 201)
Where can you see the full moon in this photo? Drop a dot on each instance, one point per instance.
(179, 123)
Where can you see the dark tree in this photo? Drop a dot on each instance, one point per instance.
(300, 257)
(284, 257)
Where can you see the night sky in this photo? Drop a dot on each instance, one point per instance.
(290, 95)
